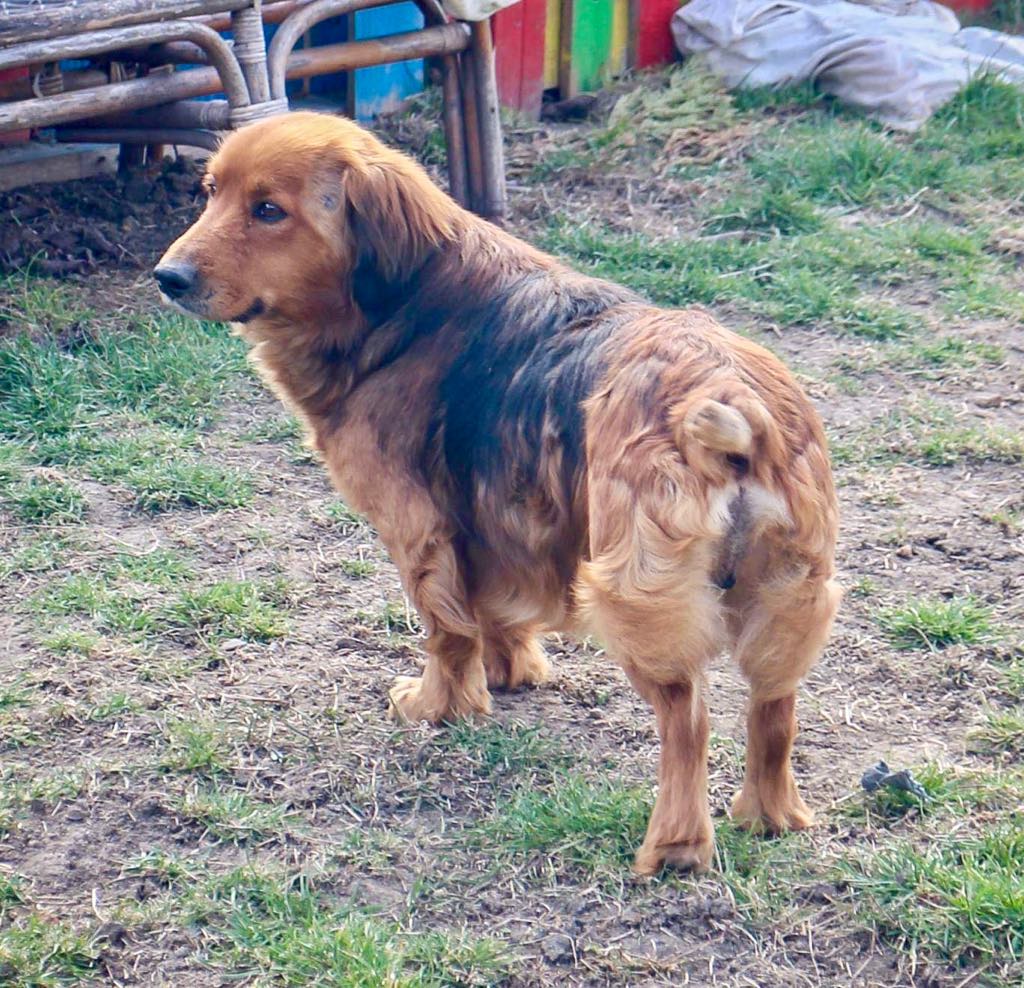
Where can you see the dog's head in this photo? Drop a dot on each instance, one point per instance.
(304, 213)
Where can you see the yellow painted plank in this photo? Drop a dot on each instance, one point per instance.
(620, 37)
(552, 40)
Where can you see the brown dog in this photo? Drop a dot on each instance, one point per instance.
(537, 449)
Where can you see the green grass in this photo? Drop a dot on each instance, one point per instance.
(576, 823)
(950, 351)
(232, 815)
(11, 893)
(800, 96)
(981, 123)
(129, 610)
(340, 514)
(37, 950)
(168, 368)
(927, 433)
(943, 788)
(358, 569)
(71, 641)
(497, 749)
(232, 609)
(943, 883)
(765, 210)
(961, 897)
(846, 164)
(1001, 733)
(761, 873)
(157, 567)
(798, 264)
(817, 278)
(195, 747)
(113, 707)
(162, 486)
(15, 695)
(18, 794)
(119, 403)
(934, 624)
(229, 609)
(46, 500)
(288, 933)
(944, 446)
(395, 619)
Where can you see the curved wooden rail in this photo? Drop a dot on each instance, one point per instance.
(62, 21)
(217, 50)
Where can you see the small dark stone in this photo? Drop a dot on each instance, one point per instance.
(557, 949)
(150, 808)
(114, 933)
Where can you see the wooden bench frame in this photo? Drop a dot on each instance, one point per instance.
(160, 106)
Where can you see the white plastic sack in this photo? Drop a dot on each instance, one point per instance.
(475, 10)
(898, 59)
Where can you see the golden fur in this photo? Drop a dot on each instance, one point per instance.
(538, 450)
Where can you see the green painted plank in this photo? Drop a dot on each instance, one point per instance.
(586, 55)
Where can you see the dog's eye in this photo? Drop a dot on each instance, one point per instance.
(268, 212)
(209, 187)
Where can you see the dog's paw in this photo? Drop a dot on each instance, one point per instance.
(686, 856)
(526, 667)
(775, 817)
(405, 701)
(411, 701)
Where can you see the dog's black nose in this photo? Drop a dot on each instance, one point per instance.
(176, 280)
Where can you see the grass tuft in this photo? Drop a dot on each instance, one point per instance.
(961, 898)
(594, 826)
(497, 749)
(935, 624)
(851, 165)
(49, 500)
(231, 815)
(292, 935)
(194, 747)
(232, 609)
(36, 950)
(1002, 733)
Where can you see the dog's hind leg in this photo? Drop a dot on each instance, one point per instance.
(649, 600)
(781, 633)
(679, 832)
(513, 657)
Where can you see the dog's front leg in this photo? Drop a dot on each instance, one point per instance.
(454, 683)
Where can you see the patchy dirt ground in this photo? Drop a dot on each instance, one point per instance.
(146, 762)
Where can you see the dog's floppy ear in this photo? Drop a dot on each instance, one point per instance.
(397, 215)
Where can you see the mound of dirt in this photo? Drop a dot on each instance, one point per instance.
(122, 221)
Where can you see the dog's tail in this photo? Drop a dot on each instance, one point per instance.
(724, 427)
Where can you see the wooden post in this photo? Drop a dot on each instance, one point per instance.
(454, 130)
(251, 51)
(472, 121)
(492, 151)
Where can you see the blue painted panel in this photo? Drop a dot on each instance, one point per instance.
(383, 87)
(330, 32)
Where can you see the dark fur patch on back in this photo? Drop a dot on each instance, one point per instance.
(533, 354)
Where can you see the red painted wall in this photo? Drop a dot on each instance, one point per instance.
(519, 54)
